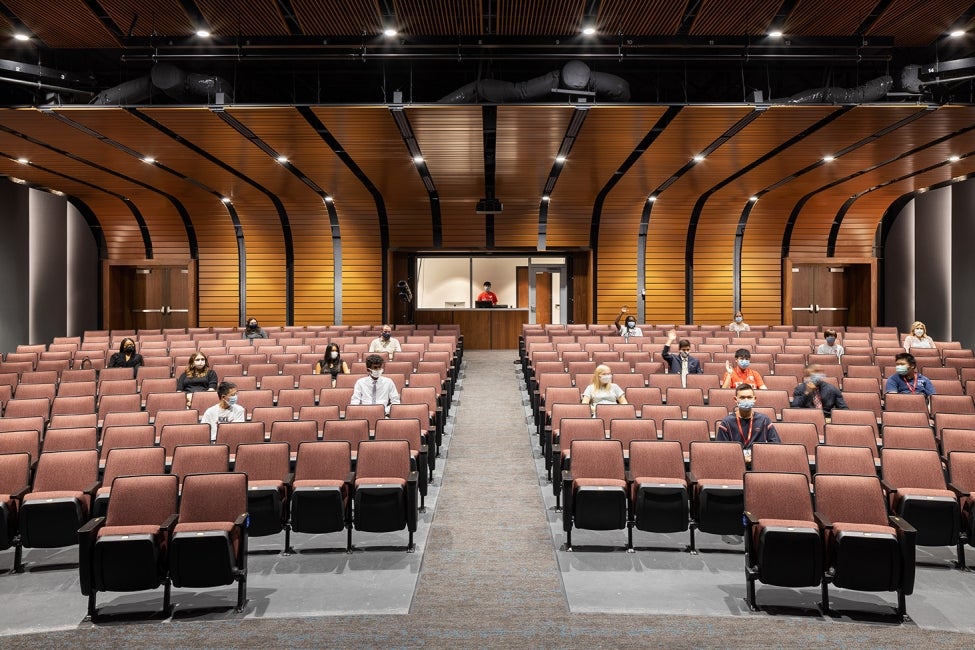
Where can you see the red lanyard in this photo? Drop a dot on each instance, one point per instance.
(911, 388)
(741, 432)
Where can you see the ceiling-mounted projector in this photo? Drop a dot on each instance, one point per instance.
(488, 206)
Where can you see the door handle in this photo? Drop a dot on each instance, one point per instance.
(148, 311)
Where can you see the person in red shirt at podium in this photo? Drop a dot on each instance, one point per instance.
(487, 295)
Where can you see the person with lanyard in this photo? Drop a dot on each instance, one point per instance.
(817, 393)
(683, 364)
(386, 343)
(906, 379)
(744, 425)
(487, 295)
(629, 328)
(374, 388)
(740, 373)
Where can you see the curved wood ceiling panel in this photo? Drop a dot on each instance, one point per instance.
(338, 17)
(370, 136)
(539, 16)
(452, 142)
(752, 17)
(445, 17)
(820, 18)
(250, 17)
(68, 23)
(916, 24)
(149, 17)
(528, 139)
(650, 17)
(608, 136)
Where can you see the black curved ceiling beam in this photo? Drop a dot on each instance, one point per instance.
(489, 120)
(565, 148)
(177, 204)
(409, 138)
(282, 214)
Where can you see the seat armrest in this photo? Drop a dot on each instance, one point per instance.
(413, 478)
(20, 494)
(92, 489)
(957, 490)
(902, 525)
(92, 526)
(907, 537)
(241, 519)
(691, 478)
(170, 524)
(822, 521)
(888, 488)
(750, 519)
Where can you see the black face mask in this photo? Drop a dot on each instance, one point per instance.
(129, 349)
(252, 326)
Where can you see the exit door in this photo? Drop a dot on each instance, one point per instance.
(150, 297)
(546, 294)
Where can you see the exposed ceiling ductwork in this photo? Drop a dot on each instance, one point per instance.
(872, 91)
(575, 78)
(184, 87)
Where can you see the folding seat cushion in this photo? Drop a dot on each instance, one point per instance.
(412, 431)
(385, 490)
(783, 543)
(14, 484)
(715, 475)
(126, 551)
(961, 469)
(572, 429)
(209, 543)
(921, 496)
(659, 501)
(595, 488)
(267, 466)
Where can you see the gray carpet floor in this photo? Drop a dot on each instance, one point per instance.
(489, 575)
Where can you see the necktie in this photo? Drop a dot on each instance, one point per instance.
(683, 372)
(817, 400)
(375, 384)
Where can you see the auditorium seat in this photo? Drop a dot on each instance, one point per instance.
(858, 461)
(570, 429)
(385, 489)
(715, 476)
(292, 432)
(267, 466)
(781, 458)
(126, 461)
(414, 432)
(14, 484)
(659, 497)
(594, 488)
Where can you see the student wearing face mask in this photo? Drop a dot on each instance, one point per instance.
(487, 294)
(197, 377)
(126, 357)
(602, 390)
(918, 338)
(744, 425)
(628, 328)
(254, 330)
(386, 343)
(374, 388)
(830, 346)
(226, 410)
(738, 324)
(817, 393)
(332, 363)
(682, 363)
(906, 378)
(740, 372)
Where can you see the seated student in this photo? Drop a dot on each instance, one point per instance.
(226, 410)
(744, 425)
(918, 338)
(487, 295)
(816, 392)
(254, 331)
(602, 390)
(126, 357)
(332, 363)
(740, 372)
(629, 328)
(197, 377)
(906, 379)
(683, 364)
(830, 346)
(386, 343)
(738, 324)
(374, 388)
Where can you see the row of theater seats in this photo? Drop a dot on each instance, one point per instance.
(122, 437)
(844, 526)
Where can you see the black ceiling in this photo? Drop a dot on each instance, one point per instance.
(331, 51)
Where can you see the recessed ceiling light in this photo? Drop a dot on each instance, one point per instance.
(560, 159)
(828, 158)
(588, 30)
(390, 31)
(546, 197)
(149, 160)
(418, 159)
(753, 199)
(282, 159)
(21, 36)
(328, 199)
(775, 34)
(225, 199)
(23, 161)
(954, 159)
(652, 198)
(958, 33)
(698, 158)
(203, 33)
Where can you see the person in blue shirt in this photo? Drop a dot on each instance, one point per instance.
(746, 426)
(906, 378)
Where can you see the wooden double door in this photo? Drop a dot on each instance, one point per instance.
(831, 294)
(143, 296)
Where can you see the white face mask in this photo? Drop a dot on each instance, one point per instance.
(376, 374)
(333, 354)
(200, 363)
(919, 332)
(606, 379)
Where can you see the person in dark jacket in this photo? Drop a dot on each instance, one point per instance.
(197, 377)
(126, 357)
(744, 425)
(816, 392)
(683, 363)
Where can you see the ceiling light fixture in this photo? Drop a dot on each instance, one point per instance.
(652, 198)
(149, 160)
(328, 199)
(546, 197)
(225, 199)
(560, 159)
(698, 159)
(282, 159)
(828, 158)
(753, 199)
(588, 30)
(958, 33)
(390, 32)
(23, 161)
(954, 159)
(418, 159)
(775, 34)
(20, 36)
(203, 33)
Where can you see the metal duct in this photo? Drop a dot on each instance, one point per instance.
(873, 90)
(181, 86)
(575, 75)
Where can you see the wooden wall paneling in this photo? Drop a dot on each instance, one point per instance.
(608, 136)
(528, 139)
(385, 160)
(688, 134)
(814, 222)
(714, 244)
(260, 221)
(452, 141)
